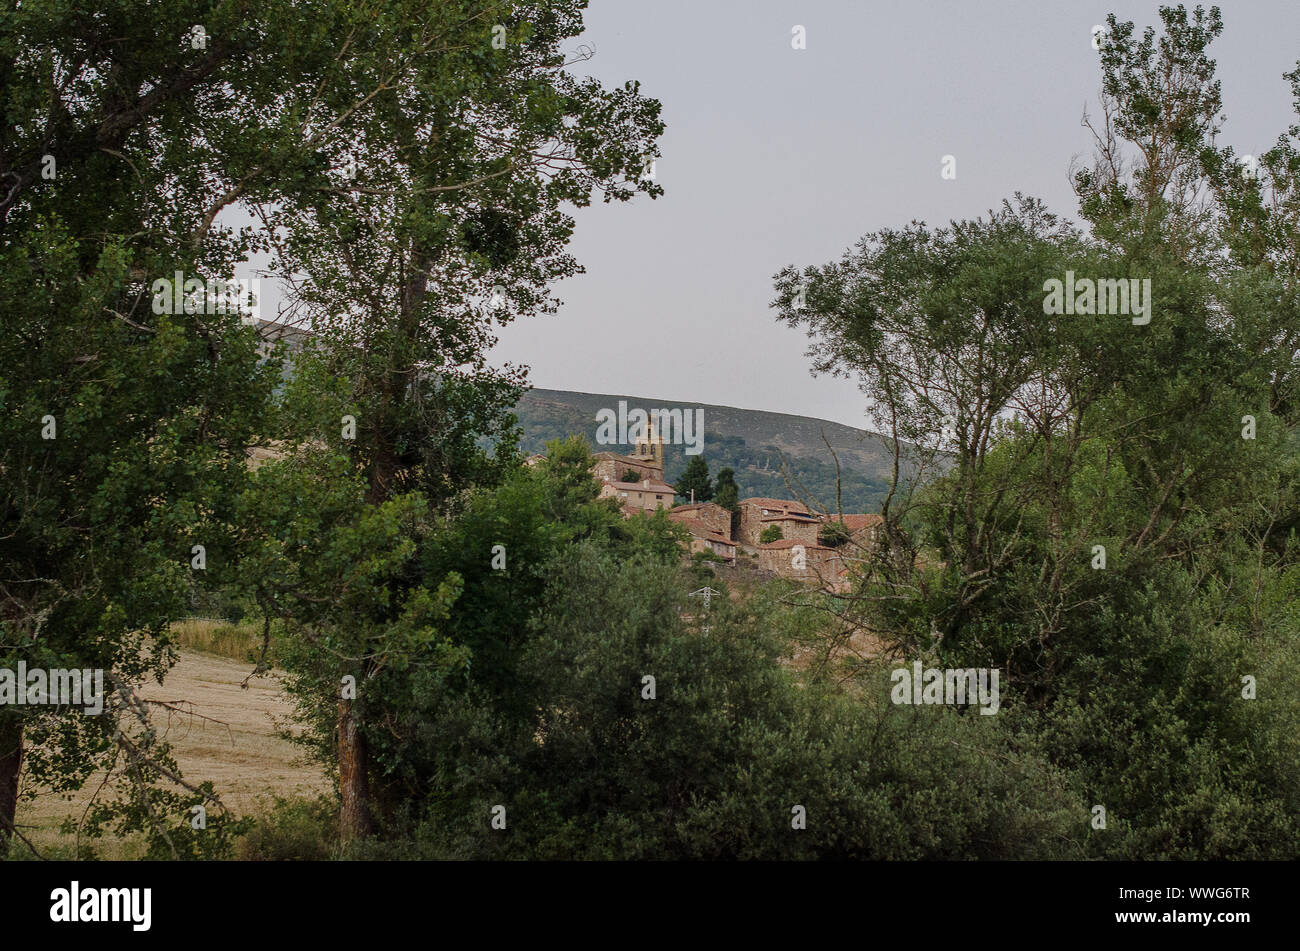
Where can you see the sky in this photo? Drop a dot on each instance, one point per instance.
(776, 156)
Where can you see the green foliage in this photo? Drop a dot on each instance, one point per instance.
(515, 640)
(727, 492)
(302, 830)
(833, 535)
(495, 557)
(695, 479)
(151, 412)
(711, 767)
(425, 178)
(1108, 536)
(342, 581)
(772, 533)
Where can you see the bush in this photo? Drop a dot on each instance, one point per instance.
(833, 535)
(292, 830)
(711, 766)
(242, 642)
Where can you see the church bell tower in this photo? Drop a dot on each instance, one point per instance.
(650, 447)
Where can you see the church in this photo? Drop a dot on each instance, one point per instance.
(646, 459)
(646, 490)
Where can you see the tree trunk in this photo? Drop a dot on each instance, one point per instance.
(356, 817)
(11, 761)
(354, 785)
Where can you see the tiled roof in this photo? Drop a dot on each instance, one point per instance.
(717, 537)
(699, 511)
(618, 457)
(856, 523)
(783, 506)
(654, 486)
(790, 543)
(775, 503)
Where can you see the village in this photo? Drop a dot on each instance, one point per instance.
(780, 536)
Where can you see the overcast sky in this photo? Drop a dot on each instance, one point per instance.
(776, 156)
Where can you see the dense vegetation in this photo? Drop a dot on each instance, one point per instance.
(495, 663)
(1118, 532)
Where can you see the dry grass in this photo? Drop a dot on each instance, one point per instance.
(247, 761)
(242, 641)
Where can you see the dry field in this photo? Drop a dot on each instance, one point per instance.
(243, 756)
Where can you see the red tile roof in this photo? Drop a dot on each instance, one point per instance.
(696, 506)
(716, 537)
(790, 543)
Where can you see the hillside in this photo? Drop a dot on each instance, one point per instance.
(754, 443)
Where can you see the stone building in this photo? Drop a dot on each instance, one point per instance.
(799, 561)
(646, 459)
(708, 517)
(612, 466)
(798, 555)
(793, 518)
(716, 543)
(646, 495)
(710, 528)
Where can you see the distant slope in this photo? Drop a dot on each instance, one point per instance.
(752, 442)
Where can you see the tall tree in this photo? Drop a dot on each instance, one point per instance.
(695, 482)
(726, 492)
(436, 209)
(1111, 516)
(123, 427)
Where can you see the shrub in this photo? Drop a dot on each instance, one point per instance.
(292, 830)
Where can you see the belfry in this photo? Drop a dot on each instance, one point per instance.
(649, 449)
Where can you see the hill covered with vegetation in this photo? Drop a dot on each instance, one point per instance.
(773, 454)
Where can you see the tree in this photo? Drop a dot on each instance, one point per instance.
(451, 142)
(411, 176)
(643, 739)
(631, 475)
(834, 535)
(503, 548)
(123, 428)
(770, 534)
(1096, 504)
(695, 478)
(726, 492)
